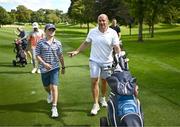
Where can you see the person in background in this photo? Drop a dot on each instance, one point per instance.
(34, 36)
(49, 54)
(102, 40)
(116, 27)
(22, 37)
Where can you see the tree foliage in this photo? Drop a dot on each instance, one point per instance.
(4, 16)
(23, 14)
(114, 9)
(126, 12)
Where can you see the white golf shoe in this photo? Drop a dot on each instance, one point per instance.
(95, 109)
(38, 71)
(34, 70)
(54, 112)
(103, 102)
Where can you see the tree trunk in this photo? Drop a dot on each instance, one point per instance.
(149, 29)
(130, 29)
(152, 31)
(140, 35)
(140, 20)
(87, 27)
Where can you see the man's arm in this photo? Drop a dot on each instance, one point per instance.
(78, 50)
(117, 49)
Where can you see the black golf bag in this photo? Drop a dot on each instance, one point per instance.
(19, 47)
(124, 107)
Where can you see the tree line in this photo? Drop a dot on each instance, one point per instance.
(23, 15)
(127, 12)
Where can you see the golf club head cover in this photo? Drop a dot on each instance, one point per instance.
(121, 59)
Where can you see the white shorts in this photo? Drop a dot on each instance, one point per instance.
(99, 69)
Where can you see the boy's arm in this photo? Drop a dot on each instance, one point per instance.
(61, 58)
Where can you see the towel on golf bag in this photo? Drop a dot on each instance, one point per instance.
(122, 83)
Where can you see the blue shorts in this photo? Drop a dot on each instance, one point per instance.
(51, 77)
(99, 69)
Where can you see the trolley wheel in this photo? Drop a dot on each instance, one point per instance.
(14, 62)
(103, 122)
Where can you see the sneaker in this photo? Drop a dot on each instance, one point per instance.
(49, 99)
(54, 112)
(103, 102)
(34, 70)
(38, 71)
(95, 109)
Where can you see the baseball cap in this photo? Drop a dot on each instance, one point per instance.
(35, 25)
(50, 26)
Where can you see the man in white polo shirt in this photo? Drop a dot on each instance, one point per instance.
(102, 40)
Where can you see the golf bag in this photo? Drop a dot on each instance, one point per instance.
(19, 47)
(124, 107)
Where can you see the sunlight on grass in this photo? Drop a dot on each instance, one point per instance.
(154, 62)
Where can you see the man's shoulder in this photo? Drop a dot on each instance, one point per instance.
(110, 29)
(94, 30)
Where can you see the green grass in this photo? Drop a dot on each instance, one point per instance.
(155, 63)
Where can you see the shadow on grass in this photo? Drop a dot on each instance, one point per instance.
(5, 64)
(70, 108)
(9, 65)
(74, 66)
(37, 107)
(42, 107)
(14, 72)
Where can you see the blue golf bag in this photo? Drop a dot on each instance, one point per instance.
(124, 108)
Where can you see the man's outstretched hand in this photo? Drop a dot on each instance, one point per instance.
(73, 53)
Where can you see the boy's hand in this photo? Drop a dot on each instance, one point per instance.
(47, 66)
(62, 70)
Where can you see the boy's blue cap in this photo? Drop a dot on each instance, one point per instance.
(50, 26)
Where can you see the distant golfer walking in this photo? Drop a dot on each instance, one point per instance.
(49, 54)
(102, 40)
(33, 39)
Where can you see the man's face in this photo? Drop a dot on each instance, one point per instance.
(35, 29)
(114, 22)
(103, 22)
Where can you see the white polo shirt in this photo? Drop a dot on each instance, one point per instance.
(102, 44)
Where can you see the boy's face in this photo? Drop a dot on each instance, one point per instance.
(50, 32)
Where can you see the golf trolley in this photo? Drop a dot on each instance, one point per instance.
(124, 107)
(19, 49)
